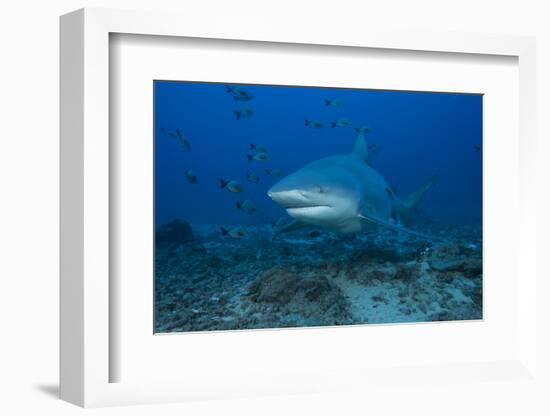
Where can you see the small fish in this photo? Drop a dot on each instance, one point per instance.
(314, 234)
(279, 223)
(252, 177)
(341, 122)
(257, 147)
(244, 113)
(191, 177)
(260, 157)
(374, 148)
(315, 124)
(246, 206)
(231, 186)
(334, 103)
(181, 138)
(477, 148)
(238, 93)
(362, 129)
(273, 172)
(237, 232)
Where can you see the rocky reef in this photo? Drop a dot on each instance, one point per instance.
(173, 233)
(297, 298)
(206, 281)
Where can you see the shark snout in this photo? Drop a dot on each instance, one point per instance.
(287, 197)
(294, 197)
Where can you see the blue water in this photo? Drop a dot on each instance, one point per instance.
(420, 134)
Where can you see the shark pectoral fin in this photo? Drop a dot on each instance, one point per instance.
(394, 227)
(294, 225)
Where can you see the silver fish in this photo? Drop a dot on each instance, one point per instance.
(279, 223)
(252, 177)
(244, 113)
(236, 232)
(191, 177)
(273, 172)
(238, 93)
(257, 147)
(246, 206)
(184, 142)
(314, 124)
(374, 148)
(231, 186)
(341, 122)
(260, 157)
(334, 103)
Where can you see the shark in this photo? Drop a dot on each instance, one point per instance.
(346, 195)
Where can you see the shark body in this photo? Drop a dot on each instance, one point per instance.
(344, 194)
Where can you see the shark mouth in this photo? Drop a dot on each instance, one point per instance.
(306, 209)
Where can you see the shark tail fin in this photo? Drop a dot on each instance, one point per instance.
(237, 114)
(412, 201)
(223, 183)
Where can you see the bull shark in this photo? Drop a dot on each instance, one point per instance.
(346, 195)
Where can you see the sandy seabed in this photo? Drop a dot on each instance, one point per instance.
(214, 282)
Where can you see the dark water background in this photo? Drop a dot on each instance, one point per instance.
(420, 134)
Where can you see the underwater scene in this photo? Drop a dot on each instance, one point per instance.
(289, 206)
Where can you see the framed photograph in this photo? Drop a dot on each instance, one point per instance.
(282, 213)
(301, 228)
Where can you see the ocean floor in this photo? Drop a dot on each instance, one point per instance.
(207, 281)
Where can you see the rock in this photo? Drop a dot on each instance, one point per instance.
(406, 311)
(379, 298)
(274, 286)
(423, 308)
(457, 312)
(314, 297)
(475, 293)
(448, 265)
(406, 272)
(175, 232)
(473, 267)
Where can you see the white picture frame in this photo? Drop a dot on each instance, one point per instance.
(85, 206)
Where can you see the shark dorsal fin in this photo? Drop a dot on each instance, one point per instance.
(360, 147)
